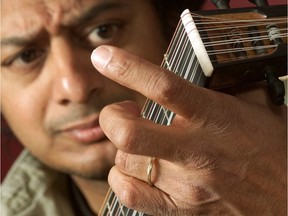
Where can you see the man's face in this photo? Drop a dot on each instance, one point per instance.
(51, 94)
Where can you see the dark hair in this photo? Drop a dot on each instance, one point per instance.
(169, 12)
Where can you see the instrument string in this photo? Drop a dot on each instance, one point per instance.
(214, 35)
(218, 38)
(217, 20)
(232, 50)
(263, 37)
(223, 24)
(215, 28)
(235, 50)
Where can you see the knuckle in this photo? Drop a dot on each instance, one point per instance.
(128, 196)
(205, 163)
(200, 192)
(167, 89)
(199, 195)
(123, 66)
(122, 161)
(126, 135)
(122, 129)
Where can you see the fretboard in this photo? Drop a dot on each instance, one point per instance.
(186, 56)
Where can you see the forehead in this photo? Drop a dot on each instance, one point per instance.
(20, 15)
(18, 10)
(50, 7)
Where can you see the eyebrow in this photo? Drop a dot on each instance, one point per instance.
(16, 41)
(89, 14)
(96, 10)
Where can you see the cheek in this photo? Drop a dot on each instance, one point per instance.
(24, 113)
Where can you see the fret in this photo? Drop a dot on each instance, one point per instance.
(182, 59)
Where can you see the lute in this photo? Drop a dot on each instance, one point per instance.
(218, 49)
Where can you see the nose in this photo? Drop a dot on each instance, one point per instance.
(74, 78)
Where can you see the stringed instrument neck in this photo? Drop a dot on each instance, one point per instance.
(217, 49)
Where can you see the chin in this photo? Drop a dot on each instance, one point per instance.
(94, 167)
(97, 170)
(92, 175)
(90, 162)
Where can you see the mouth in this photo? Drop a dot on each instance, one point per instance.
(85, 131)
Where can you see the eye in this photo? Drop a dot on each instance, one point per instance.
(24, 58)
(29, 55)
(108, 33)
(105, 31)
(24, 65)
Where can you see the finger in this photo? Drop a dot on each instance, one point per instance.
(162, 173)
(137, 166)
(156, 83)
(136, 194)
(132, 134)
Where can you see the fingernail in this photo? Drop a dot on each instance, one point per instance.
(100, 57)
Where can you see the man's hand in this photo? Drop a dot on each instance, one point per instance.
(222, 155)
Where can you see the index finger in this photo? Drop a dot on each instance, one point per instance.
(156, 83)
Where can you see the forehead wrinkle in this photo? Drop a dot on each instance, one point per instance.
(74, 13)
(70, 11)
(24, 22)
(67, 13)
(51, 15)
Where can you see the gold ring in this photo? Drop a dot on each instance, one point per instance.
(149, 171)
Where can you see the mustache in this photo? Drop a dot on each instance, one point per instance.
(73, 114)
(76, 112)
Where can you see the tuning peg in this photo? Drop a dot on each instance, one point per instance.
(260, 3)
(221, 4)
(275, 86)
